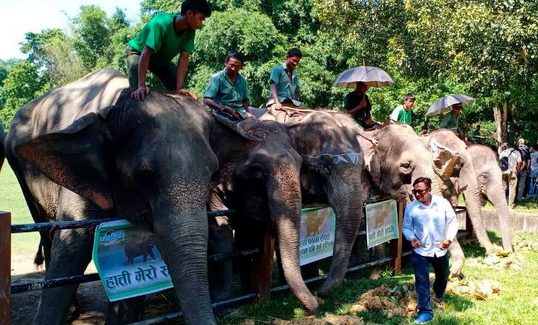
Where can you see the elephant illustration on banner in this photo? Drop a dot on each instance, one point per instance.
(142, 246)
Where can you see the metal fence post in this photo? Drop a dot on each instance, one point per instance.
(5, 268)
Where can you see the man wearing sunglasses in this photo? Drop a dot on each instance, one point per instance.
(430, 224)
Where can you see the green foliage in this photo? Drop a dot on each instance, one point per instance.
(22, 84)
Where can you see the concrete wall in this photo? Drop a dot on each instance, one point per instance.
(520, 221)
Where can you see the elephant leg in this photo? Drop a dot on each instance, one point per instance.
(458, 259)
(220, 272)
(70, 255)
(124, 311)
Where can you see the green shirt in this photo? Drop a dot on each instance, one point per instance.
(159, 35)
(450, 121)
(223, 91)
(285, 88)
(400, 115)
(352, 100)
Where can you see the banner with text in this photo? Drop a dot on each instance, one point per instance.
(317, 234)
(128, 261)
(381, 222)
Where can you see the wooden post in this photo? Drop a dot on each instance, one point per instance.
(262, 269)
(396, 246)
(5, 268)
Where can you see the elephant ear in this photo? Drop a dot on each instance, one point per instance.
(250, 129)
(77, 157)
(447, 163)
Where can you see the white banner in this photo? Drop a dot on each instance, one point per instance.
(381, 222)
(317, 234)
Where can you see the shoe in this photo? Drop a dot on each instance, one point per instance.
(423, 318)
(440, 298)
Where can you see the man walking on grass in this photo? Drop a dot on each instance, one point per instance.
(430, 224)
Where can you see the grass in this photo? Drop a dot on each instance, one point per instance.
(12, 200)
(517, 303)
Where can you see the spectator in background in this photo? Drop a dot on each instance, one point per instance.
(431, 225)
(451, 120)
(533, 190)
(403, 113)
(510, 174)
(476, 136)
(424, 131)
(524, 169)
(357, 105)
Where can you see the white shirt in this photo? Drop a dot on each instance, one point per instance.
(514, 157)
(430, 225)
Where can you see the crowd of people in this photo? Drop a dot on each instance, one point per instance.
(519, 175)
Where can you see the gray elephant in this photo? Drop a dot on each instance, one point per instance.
(77, 157)
(2, 139)
(139, 247)
(489, 178)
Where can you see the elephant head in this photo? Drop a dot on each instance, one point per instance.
(489, 178)
(260, 178)
(330, 174)
(397, 157)
(151, 162)
(462, 179)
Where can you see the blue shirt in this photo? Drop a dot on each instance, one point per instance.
(430, 225)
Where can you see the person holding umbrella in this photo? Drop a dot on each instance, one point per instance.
(453, 104)
(451, 119)
(357, 105)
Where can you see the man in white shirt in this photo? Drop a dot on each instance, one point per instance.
(430, 224)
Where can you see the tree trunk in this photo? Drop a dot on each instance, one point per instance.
(501, 120)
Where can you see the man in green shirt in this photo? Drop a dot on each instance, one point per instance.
(451, 119)
(476, 136)
(285, 88)
(164, 37)
(227, 92)
(403, 113)
(358, 106)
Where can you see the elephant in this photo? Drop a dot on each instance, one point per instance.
(489, 178)
(314, 161)
(139, 247)
(83, 151)
(2, 138)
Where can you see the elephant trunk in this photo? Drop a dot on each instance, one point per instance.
(471, 192)
(348, 210)
(285, 206)
(497, 196)
(181, 236)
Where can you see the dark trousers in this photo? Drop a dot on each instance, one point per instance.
(166, 74)
(421, 265)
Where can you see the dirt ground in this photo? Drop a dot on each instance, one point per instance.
(91, 297)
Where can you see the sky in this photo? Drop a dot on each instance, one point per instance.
(17, 17)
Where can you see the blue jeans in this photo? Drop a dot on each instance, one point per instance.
(421, 265)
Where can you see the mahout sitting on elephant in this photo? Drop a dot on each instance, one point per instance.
(81, 154)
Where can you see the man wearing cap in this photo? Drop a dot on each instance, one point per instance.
(403, 113)
(451, 119)
(227, 92)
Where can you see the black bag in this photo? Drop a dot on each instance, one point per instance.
(503, 162)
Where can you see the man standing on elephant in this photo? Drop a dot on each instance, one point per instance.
(431, 225)
(285, 89)
(227, 92)
(165, 36)
(403, 113)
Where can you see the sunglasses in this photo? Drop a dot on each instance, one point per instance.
(415, 192)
